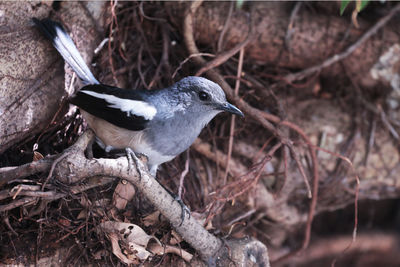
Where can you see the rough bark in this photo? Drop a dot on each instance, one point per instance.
(315, 36)
(31, 75)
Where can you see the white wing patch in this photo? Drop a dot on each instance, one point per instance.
(131, 107)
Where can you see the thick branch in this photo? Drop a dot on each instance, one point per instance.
(10, 173)
(78, 167)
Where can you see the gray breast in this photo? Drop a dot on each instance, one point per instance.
(171, 136)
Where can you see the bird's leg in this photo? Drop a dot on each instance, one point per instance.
(153, 169)
(133, 158)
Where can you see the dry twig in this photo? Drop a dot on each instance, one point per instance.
(232, 129)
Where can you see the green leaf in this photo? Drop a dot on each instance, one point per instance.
(364, 3)
(343, 6)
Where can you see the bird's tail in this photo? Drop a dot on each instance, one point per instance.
(66, 47)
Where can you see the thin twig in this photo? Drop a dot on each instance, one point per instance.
(354, 235)
(139, 67)
(226, 26)
(387, 123)
(219, 157)
(7, 222)
(223, 57)
(52, 168)
(63, 102)
(113, 4)
(285, 152)
(145, 43)
(183, 174)
(164, 57)
(232, 129)
(242, 216)
(162, 20)
(255, 158)
(246, 182)
(290, 30)
(188, 58)
(301, 169)
(100, 46)
(371, 140)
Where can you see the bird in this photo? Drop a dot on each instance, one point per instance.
(160, 123)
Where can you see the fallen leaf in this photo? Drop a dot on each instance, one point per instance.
(132, 238)
(123, 193)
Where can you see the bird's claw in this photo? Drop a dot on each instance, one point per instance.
(133, 158)
(184, 209)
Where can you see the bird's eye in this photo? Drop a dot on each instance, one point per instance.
(203, 96)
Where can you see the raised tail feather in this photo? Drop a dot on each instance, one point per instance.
(66, 47)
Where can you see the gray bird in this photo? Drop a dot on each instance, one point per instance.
(157, 123)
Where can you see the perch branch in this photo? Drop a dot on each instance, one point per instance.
(77, 168)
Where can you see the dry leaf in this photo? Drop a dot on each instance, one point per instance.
(117, 250)
(65, 222)
(135, 243)
(133, 240)
(123, 193)
(37, 156)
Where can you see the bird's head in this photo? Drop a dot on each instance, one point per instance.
(203, 96)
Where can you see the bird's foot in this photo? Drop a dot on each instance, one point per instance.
(184, 209)
(133, 158)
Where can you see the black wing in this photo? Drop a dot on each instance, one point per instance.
(107, 102)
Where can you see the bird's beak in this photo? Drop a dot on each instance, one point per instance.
(232, 109)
